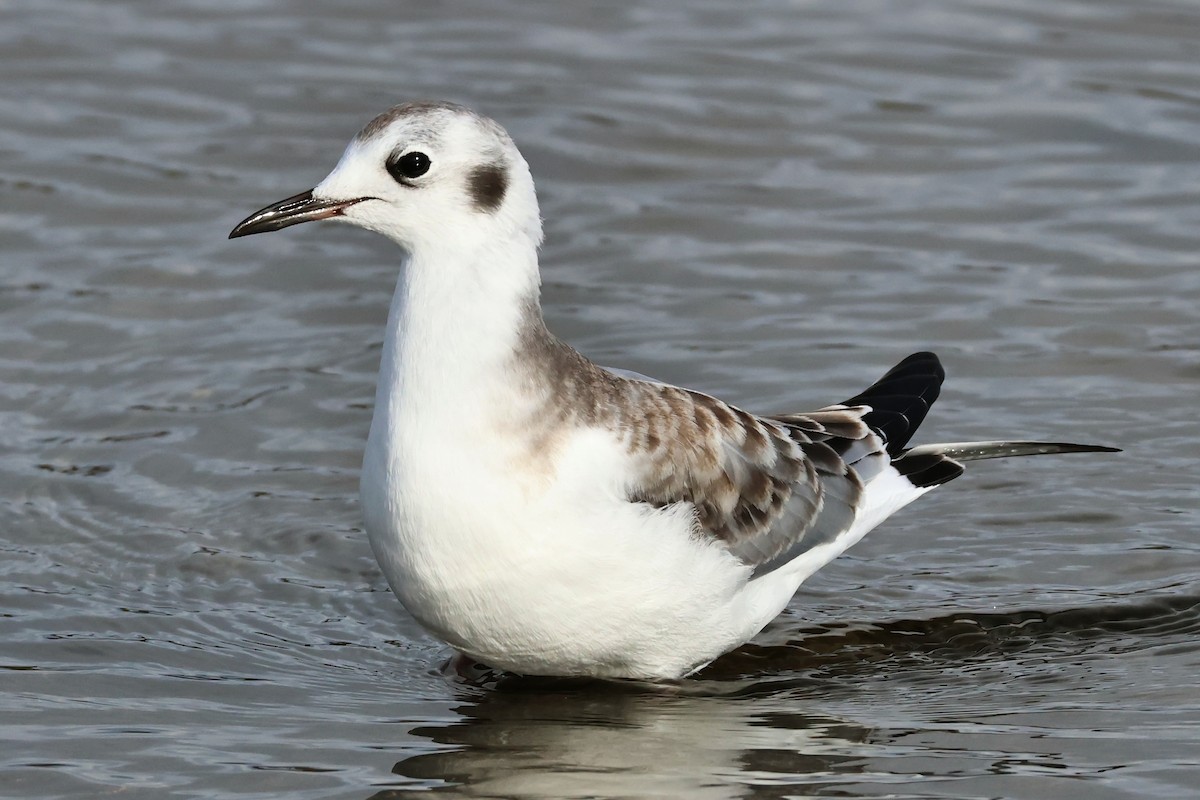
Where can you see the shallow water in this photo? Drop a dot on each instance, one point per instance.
(770, 201)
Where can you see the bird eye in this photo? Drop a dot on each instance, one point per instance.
(408, 166)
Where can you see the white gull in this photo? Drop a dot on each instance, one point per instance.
(545, 515)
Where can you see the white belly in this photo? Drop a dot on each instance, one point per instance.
(560, 576)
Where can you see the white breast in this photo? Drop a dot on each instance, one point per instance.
(554, 572)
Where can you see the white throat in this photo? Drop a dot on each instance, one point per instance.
(455, 320)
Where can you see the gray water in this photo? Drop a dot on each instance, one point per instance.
(771, 201)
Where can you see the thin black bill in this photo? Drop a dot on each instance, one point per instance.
(292, 211)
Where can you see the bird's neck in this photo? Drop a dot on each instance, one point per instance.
(460, 312)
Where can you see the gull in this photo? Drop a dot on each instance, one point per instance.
(545, 515)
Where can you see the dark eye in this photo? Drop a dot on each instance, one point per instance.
(408, 166)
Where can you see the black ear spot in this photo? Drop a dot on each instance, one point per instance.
(486, 186)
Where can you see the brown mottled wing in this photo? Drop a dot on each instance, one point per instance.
(761, 485)
(771, 488)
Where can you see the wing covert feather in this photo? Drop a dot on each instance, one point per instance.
(765, 486)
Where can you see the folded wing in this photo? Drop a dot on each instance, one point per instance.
(771, 488)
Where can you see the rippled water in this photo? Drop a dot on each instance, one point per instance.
(770, 201)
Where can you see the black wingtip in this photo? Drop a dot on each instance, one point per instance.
(900, 399)
(1067, 447)
(928, 470)
(979, 451)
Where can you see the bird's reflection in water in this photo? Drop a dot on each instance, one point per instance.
(566, 739)
(745, 726)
